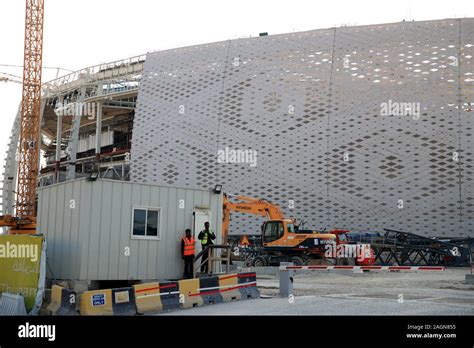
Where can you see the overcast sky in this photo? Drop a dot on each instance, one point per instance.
(82, 33)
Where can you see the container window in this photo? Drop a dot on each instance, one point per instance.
(146, 222)
(139, 219)
(152, 223)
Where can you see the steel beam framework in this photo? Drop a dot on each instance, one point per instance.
(409, 249)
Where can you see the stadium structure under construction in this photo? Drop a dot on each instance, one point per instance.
(363, 128)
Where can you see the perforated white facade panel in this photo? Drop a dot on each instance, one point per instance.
(312, 105)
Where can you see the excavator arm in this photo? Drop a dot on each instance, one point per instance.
(247, 205)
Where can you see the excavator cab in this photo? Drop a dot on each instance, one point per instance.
(274, 230)
(279, 235)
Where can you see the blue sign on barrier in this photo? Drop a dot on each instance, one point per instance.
(98, 300)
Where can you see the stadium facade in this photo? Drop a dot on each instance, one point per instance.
(362, 128)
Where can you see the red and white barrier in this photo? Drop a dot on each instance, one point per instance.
(362, 268)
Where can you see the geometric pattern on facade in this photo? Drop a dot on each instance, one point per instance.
(310, 104)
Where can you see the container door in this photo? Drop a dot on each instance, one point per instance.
(200, 217)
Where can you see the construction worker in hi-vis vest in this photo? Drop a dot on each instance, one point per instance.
(187, 253)
(206, 237)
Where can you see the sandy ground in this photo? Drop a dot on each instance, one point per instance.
(347, 293)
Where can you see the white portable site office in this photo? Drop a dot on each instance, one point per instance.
(118, 230)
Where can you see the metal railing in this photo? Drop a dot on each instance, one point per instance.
(101, 71)
(213, 258)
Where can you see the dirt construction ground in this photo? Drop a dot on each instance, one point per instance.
(348, 293)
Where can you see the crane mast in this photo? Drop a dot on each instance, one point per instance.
(24, 220)
(30, 111)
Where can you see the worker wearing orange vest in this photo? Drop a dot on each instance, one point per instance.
(187, 253)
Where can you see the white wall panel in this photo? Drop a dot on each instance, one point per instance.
(239, 93)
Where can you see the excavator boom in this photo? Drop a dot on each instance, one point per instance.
(248, 205)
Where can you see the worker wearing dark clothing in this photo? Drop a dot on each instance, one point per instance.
(206, 237)
(296, 224)
(187, 253)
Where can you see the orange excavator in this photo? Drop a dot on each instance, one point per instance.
(280, 240)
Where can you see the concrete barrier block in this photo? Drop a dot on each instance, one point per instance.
(63, 301)
(148, 298)
(123, 301)
(97, 302)
(189, 290)
(228, 285)
(169, 292)
(247, 283)
(209, 290)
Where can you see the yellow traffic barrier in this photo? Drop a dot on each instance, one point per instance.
(156, 297)
(229, 288)
(147, 298)
(56, 295)
(63, 301)
(120, 301)
(189, 293)
(97, 302)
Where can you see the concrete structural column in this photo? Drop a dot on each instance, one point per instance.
(98, 133)
(59, 130)
(75, 127)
